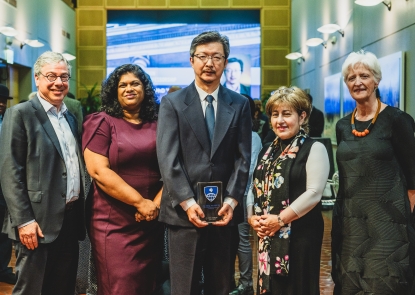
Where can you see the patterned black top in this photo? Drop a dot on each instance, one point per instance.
(372, 224)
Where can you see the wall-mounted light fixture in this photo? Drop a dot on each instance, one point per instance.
(312, 42)
(388, 4)
(331, 28)
(68, 56)
(31, 43)
(295, 56)
(8, 31)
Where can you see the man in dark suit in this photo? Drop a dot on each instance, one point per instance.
(42, 177)
(6, 273)
(316, 121)
(204, 135)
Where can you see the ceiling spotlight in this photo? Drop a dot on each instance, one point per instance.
(331, 28)
(8, 31)
(315, 42)
(388, 4)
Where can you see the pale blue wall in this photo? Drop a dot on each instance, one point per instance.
(373, 28)
(43, 20)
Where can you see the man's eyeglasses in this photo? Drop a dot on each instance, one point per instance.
(53, 77)
(204, 58)
(283, 90)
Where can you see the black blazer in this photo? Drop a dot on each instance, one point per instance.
(33, 172)
(186, 157)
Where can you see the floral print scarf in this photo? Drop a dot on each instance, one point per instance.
(271, 196)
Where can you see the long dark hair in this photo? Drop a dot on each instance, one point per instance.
(109, 93)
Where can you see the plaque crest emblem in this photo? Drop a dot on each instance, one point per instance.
(211, 192)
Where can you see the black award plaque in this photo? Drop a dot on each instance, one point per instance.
(210, 199)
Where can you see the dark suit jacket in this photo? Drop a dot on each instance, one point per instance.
(186, 158)
(33, 172)
(316, 123)
(75, 107)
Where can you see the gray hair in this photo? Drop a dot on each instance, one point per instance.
(365, 58)
(209, 37)
(50, 57)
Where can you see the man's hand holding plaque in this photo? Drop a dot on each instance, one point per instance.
(210, 200)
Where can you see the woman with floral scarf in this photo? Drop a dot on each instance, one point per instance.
(288, 184)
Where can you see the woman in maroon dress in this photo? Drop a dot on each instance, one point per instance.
(119, 146)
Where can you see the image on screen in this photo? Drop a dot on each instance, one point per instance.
(162, 50)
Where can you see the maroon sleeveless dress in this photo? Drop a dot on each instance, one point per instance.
(127, 253)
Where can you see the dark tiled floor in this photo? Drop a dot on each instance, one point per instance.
(326, 284)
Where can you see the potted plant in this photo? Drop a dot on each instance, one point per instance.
(92, 102)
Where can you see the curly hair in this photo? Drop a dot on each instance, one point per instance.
(109, 93)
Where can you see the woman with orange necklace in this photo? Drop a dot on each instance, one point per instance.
(373, 215)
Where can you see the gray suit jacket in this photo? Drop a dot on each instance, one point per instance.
(33, 172)
(186, 157)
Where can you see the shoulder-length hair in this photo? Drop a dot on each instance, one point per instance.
(109, 93)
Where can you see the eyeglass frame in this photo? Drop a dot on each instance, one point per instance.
(64, 80)
(211, 57)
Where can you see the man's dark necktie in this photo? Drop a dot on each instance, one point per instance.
(210, 117)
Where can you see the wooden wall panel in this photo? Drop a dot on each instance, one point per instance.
(91, 17)
(184, 3)
(91, 37)
(214, 3)
(86, 3)
(277, 17)
(246, 3)
(276, 37)
(277, 77)
(91, 57)
(122, 4)
(275, 57)
(276, 3)
(91, 76)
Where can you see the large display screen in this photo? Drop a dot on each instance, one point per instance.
(162, 50)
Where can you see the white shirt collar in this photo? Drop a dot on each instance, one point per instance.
(203, 94)
(48, 106)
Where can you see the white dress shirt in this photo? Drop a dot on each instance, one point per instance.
(186, 204)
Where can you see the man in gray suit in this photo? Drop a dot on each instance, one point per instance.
(42, 177)
(204, 135)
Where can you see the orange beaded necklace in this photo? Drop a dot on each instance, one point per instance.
(367, 130)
